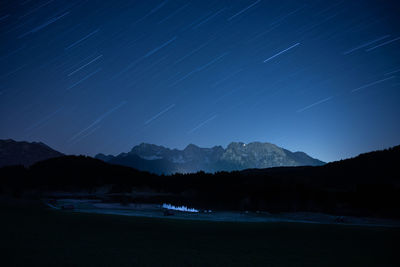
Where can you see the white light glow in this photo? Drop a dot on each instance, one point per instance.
(179, 208)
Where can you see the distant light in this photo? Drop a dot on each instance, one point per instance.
(179, 208)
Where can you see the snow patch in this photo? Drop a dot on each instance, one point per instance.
(179, 159)
(154, 157)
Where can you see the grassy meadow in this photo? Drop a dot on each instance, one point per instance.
(37, 236)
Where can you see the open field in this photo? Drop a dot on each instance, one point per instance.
(36, 235)
(99, 206)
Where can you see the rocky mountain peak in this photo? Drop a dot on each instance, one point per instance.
(24, 153)
(236, 156)
(191, 148)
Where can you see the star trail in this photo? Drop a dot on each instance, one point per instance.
(101, 76)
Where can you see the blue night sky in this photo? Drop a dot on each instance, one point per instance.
(85, 77)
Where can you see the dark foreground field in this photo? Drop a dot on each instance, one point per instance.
(37, 236)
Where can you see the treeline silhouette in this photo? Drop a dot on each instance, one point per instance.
(367, 185)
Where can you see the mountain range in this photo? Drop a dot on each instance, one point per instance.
(236, 156)
(367, 185)
(161, 160)
(24, 153)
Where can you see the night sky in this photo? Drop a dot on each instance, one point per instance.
(85, 77)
